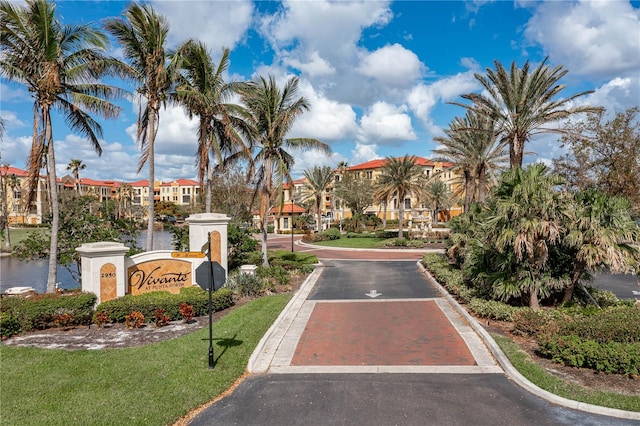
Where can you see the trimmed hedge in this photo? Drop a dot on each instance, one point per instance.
(147, 303)
(42, 311)
(612, 357)
(492, 309)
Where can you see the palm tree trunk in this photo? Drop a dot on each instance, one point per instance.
(516, 148)
(400, 215)
(482, 185)
(208, 195)
(534, 303)
(468, 190)
(318, 215)
(150, 159)
(55, 208)
(265, 227)
(575, 279)
(384, 215)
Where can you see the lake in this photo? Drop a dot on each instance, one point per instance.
(17, 273)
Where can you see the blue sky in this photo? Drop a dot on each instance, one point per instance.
(379, 75)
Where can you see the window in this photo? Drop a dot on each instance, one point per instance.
(175, 198)
(407, 203)
(175, 189)
(286, 223)
(186, 199)
(336, 178)
(428, 173)
(17, 195)
(369, 174)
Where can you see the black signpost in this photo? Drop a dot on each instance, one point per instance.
(210, 276)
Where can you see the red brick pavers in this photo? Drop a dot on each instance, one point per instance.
(380, 333)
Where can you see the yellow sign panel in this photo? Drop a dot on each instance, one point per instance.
(187, 254)
(160, 275)
(108, 282)
(214, 246)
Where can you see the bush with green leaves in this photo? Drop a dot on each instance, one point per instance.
(572, 350)
(41, 311)
(147, 303)
(9, 326)
(246, 284)
(492, 309)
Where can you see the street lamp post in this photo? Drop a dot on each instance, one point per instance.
(292, 225)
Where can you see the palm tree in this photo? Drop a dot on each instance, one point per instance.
(270, 112)
(402, 177)
(524, 225)
(75, 166)
(60, 65)
(142, 33)
(471, 145)
(523, 103)
(437, 195)
(317, 180)
(203, 92)
(600, 234)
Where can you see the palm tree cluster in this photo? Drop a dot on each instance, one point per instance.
(62, 66)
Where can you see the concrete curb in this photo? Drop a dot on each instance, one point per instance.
(515, 375)
(265, 351)
(311, 246)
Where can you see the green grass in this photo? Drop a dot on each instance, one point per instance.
(19, 234)
(354, 243)
(536, 374)
(151, 385)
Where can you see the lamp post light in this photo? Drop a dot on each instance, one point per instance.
(292, 225)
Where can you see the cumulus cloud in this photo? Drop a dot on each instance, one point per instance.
(362, 153)
(600, 38)
(216, 23)
(615, 95)
(386, 122)
(314, 66)
(393, 65)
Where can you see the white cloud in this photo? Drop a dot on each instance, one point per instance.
(362, 153)
(14, 92)
(600, 38)
(11, 120)
(314, 66)
(616, 95)
(393, 65)
(216, 23)
(424, 97)
(327, 120)
(385, 122)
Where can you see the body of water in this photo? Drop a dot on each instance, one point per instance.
(17, 273)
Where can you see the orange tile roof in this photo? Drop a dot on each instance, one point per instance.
(13, 171)
(286, 208)
(378, 163)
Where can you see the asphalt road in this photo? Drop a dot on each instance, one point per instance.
(386, 398)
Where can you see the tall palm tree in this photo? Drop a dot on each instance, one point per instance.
(203, 92)
(525, 224)
(437, 195)
(471, 145)
(317, 180)
(142, 34)
(402, 177)
(61, 66)
(75, 166)
(600, 233)
(270, 112)
(522, 103)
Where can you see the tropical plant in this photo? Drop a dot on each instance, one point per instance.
(437, 196)
(61, 65)
(203, 92)
(523, 103)
(402, 177)
(470, 143)
(355, 192)
(270, 113)
(317, 180)
(75, 166)
(142, 34)
(524, 225)
(600, 236)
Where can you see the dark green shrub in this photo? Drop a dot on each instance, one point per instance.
(9, 327)
(331, 234)
(609, 325)
(385, 234)
(529, 322)
(275, 274)
(147, 303)
(40, 312)
(612, 357)
(492, 309)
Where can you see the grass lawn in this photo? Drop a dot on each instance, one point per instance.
(151, 385)
(536, 374)
(19, 234)
(354, 243)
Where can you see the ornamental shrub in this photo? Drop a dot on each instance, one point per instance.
(246, 284)
(147, 303)
(9, 326)
(160, 318)
(492, 309)
(40, 312)
(134, 320)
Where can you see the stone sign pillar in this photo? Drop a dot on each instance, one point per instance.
(103, 271)
(200, 225)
